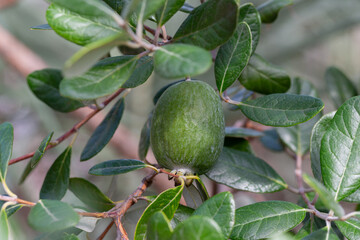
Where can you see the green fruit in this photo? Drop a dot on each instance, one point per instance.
(188, 128)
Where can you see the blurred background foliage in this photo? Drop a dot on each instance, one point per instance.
(306, 38)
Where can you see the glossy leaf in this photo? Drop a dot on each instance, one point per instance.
(104, 132)
(317, 134)
(240, 144)
(159, 227)
(41, 27)
(182, 213)
(86, 224)
(60, 234)
(339, 152)
(6, 145)
(192, 196)
(89, 194)
(221, 208)
(350, 228)
(339, 85)
(244, 171)
(79, 27)
(57, 178)
(163, 89)
(169, 8)
(71, 237)
(271, 140)
(167, 202)
(263, 77)
(322, 234)
(107, 76)
(4, 225)
(197, 227)
(52, 215)
(249, 14)
(325, 196)
(282, 110)
(269, 10)
(39, 153)
(241, 132)
(45, 85)
(144, 143)
(202, 189)
(11, 209)
(143, 69)
(114, 167)
(232, 57)
(181, 60)
(221, 20)
(263, 219)
(147, 8)
(87, 56)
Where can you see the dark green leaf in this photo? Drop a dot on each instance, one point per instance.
(71, 237)
(202, 189)
(144, 143)
(143, 69)
(241, 132)
(89, 194)
(221, 20)
(325, 196)
(251, 16)
(10, 210)
(233, 57)
(321, 234)
(147, 8)
(52, 215)
(269, 10)
(4, 225)
(181, 214)
(114, 167)
(221, 208)
(167, 202)
(192, 196)
(158, 227)
(60, 234)
(170, 7)
(87, 56)
(78, 27)
(57, 178)
(104, 132)
(282, 110)
(41, 27)
(197, 227)
(181, 60)
(45, 85)
(339, 152)
(244, 171)
(339, 85)
(302, 87)
(236, 143)
(107, 76)
(263, 219)
(350, 228)
(39, 153)
(317, 134)
(6, 145)
(117, 5)
(271, 140)
(162, 90)
(263, 77)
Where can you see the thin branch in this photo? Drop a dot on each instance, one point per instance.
(16, 200)
(107, 229)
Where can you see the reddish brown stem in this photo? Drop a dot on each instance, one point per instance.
(107, 229)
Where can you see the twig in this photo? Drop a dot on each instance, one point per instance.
(16, 200)
(107, 229)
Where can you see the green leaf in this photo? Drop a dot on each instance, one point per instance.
(181, 60)
(350, 228)
(114, 167)
(163, 89)
(325, 196)
(167, 202)
(170, 7)
(244, 171)
(144, 143)
(186, 8)
(104, 132)
(159, 227)
(339, 152)
(4, 225)
(317, 134)
(60, 234)
(269, 10)
(271, 140)
(107, 76)
(241, 132)
(249, 14)
(263, 77)
(182, 213)
(192, 196)
(6, 145)
(197, 227)
(143, 69)
(41, 27)
(282, 110)
(233, 57)
(263, 219)
(339, 85)
(89, 194)
(78, 27)
(221, 20)
(52, 215)
(10, 210)
(57, 178)
(71, 237)
(87, 56)
(147, 8)
(39, 153)
(322, 234)
(221, 208)
(45, 85)
(240, 144)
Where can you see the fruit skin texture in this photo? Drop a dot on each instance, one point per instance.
(188, 128)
